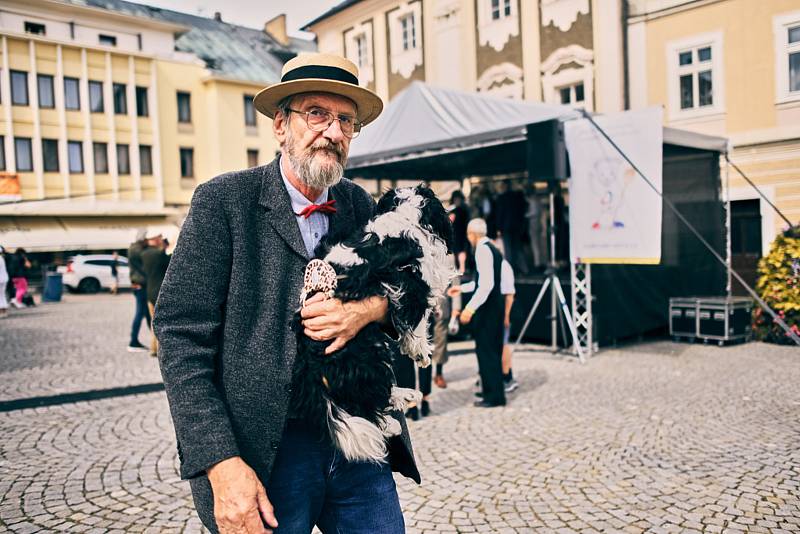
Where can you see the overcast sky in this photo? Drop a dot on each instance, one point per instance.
(252, 13)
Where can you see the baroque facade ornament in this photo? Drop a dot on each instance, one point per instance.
(503, 80)
(563, 13)
(405, 44)
(497, 32)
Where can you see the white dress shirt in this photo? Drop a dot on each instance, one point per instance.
(315, 226)
(484, 263)
(507, 279)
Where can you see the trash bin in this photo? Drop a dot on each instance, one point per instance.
(53, 287)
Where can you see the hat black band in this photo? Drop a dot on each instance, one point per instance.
(320, 71)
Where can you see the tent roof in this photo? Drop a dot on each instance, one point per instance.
(425, 121)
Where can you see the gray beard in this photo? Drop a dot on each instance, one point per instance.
(313, 173)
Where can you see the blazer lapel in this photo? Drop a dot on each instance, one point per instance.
(275, 199)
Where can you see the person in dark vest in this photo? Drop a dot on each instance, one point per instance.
(139, 287)
(486, 308)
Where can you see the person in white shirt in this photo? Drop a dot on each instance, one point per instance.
(3, 282)
(486, 307)
(508, 291)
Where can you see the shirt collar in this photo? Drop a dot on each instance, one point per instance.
(299, 201)
(483, 240)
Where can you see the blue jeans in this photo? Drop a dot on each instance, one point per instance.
(311, 483)
(141, 313)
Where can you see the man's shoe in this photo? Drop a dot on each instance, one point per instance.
(440, 382)
(485, 404)
(137, 347)
(425, 409)
(511, 385)
(412, 413)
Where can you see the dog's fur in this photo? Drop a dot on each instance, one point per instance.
(400, 254)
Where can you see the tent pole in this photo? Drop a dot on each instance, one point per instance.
(728, 222)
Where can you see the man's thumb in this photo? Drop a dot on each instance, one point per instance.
(265, 507)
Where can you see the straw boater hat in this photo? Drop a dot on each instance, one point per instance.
(325, 73)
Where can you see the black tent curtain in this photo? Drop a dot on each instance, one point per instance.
(629, 300)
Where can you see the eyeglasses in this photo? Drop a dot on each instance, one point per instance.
(320, 120)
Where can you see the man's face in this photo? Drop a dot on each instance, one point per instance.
(318, 158)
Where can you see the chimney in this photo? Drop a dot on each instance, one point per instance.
(276, 27)
(217, 16)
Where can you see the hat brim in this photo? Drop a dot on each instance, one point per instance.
(368, 104)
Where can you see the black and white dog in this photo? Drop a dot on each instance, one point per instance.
(401, 254)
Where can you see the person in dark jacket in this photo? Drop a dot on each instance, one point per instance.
(224, 313)
(18, 267)
(139, 287)
(154, 264)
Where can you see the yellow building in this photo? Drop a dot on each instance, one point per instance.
(729, 68)
(112, 113)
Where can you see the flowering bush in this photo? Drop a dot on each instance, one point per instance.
(779, 285)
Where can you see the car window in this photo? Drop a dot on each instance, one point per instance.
(105, 263)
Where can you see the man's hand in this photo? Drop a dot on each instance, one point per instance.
(466, 315)
(325, 319)
(507, 322)
(453, 291)
(240, 501)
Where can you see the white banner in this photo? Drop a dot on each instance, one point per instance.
(614, 216)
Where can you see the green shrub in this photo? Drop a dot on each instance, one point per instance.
(779, 285)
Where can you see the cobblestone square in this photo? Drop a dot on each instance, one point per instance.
(656, 437)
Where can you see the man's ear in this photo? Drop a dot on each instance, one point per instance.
(279, 126)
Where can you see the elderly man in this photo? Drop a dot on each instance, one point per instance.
(223, 322)
(486, 308)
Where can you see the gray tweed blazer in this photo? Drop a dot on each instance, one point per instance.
(223, 322)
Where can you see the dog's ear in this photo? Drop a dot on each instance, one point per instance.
(434, 217)
(387, 202)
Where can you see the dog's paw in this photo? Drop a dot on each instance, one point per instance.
(423, 360)
(403, 398)
(391, 426)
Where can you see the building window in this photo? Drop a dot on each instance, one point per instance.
(361, 50)
(23, 153)
(123, 159)
(75, 156)
(120, 99)
(249, 111)
(46, 96)
(252, 157)
(34, 28)
(786, 28)
(572, 94)
(141, 102)
(2, 154)
(408, 32)
(100, 157)
(19, 88)
(96, 97)
(500, 9)
(107, 40)
(184, 107)
(695, 76)
(187, 163)
(145, 160)
(72, 95)
(50, 155)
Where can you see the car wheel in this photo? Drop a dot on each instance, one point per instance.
(89, 285)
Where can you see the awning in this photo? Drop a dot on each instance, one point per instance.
(54, 234)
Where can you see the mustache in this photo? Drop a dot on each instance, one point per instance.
(325, 145)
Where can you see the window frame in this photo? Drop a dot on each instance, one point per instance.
(250, 110)
(14, 94)
(404, 34)
(51, 146)
(70, 160)
(123, 149)
(252, 152)
(144, 109)
(187, 172)
(100, 169)
(188, 96)
(781, 24)
(714, 41)
(105, 39)
(2, 155)
(119, 94)
(77, 83)
(27, 25)
(102, 108)
(17, 144)
(39, 79)
(148, 149)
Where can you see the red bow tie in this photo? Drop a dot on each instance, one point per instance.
(325, 207)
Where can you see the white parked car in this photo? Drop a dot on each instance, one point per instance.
(91, 273)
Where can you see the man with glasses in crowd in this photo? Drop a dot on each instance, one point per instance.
(223, 322)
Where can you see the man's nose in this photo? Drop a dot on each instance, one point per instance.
(334, 132)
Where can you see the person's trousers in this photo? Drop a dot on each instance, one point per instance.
(20, 288)
(405, 372)
(312, 484)
(153, 339)
(142, 312)
(488, 335)
(3, 300)
(440, 355)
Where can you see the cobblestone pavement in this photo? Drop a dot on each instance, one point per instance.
(655, 437)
